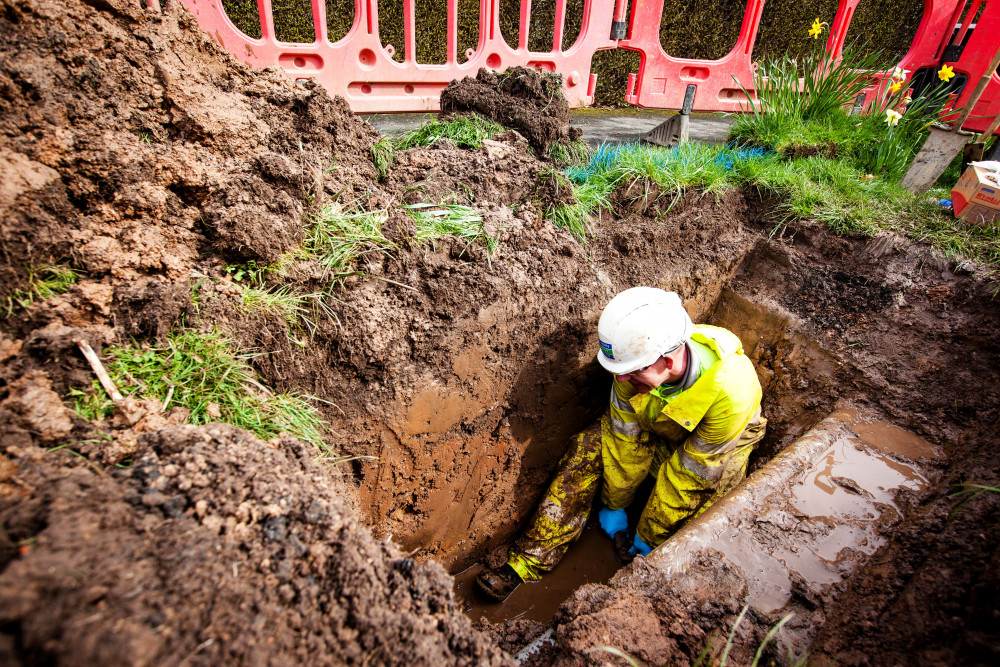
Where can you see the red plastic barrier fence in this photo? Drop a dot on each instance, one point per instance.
(963, 34)
(362, 71)
(967, 47)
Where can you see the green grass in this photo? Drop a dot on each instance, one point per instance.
(848, 202)
(201, 372)
(466, 131)
(722, 660)
(256, 275)
(832, 191)
(43, 282)
(643, 171)
(434, 221)
(574, 152)
(802, 111)
(578, 216)
(383, 157)
(970, 492)
(815, 85)
(338, 237)
(294, 307)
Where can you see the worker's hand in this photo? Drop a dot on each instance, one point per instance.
(613, 521)
(640, 547)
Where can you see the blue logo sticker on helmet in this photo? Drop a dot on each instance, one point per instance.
(606, 349)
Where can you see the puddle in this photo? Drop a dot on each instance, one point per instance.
(814, 527)
(591, 559)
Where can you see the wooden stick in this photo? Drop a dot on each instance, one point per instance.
(989, 130)
(98, 367)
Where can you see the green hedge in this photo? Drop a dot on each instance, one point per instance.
(703, 29)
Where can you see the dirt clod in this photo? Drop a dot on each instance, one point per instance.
(528, 101)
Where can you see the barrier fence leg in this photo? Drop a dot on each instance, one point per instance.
(675, 130)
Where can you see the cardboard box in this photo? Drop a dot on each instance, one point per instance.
(976, 196)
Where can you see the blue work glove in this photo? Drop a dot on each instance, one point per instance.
(640, 547)
(613, 521)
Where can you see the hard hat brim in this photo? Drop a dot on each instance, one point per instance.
(619, 368)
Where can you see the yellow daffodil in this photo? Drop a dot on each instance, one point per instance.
(892, 117)
(946, 73)
(817, 29)
(896, 85)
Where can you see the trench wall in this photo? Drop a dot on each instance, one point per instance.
(462, 447)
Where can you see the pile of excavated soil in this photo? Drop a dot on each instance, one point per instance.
(524, 99)
(136, 152)
(212, 547)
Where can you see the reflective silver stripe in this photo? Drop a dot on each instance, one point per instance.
(707, 473)
(620, 402)
(624, 428)
(707, 448)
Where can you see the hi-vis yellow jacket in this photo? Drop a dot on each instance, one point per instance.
(693, 440)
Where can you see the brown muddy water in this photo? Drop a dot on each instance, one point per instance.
(816, 511)
(590, 560)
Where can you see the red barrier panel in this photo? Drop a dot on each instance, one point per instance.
(662, 79)
(362, 71)
(974, 41)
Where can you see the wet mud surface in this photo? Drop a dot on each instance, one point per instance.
(136, 152)
(591, 559)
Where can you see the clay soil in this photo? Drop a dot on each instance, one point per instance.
(135, 151)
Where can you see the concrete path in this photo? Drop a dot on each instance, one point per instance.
(599, 125)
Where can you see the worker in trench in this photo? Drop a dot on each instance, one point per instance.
(685, 409)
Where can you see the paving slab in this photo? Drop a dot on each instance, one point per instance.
(599, 125)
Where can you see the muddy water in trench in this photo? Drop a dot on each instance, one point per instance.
(590, 560)
(819, 525)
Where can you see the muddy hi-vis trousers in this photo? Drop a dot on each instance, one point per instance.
(679, 494)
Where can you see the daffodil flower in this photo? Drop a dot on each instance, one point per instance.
(946, 73)
(899, 73)
(896, 85)
(892, 117)
(817, 29)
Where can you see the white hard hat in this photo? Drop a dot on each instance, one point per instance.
(640, 325)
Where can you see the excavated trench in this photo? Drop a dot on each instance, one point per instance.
(152, 163)
(592, 560)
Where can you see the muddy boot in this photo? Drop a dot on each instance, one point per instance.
(623, 548)
(498, 583)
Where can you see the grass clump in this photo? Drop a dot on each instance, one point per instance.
(383, 157)
(571, 153)
(257, 275)
(338, 237)
(43, 282)
(970, 492)
(849, 201)
(466, 131)
(578, 216)
(837, 192)
(434, 221)
(671, 169)
(802, 107)
(202, 373)
(294, 307)
(650, 171)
